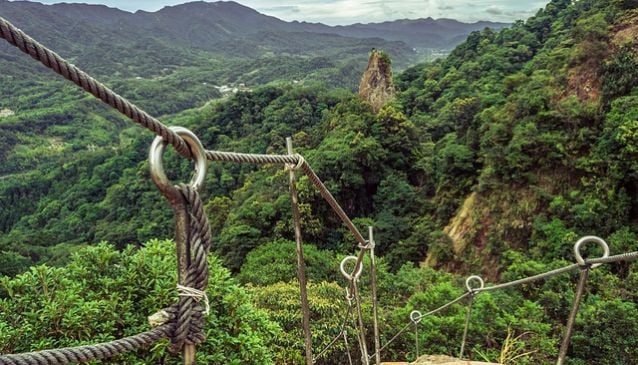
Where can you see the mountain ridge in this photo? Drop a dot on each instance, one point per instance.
(229, 15)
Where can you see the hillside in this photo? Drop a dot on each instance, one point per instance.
(492, 161)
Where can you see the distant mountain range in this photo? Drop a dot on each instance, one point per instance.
(207, 25)
(196, 46)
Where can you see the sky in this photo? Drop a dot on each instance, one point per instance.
(343, 12)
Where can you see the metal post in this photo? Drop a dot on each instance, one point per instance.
(468, 316)
(416, 340)
(580, 289)
(375, 306)
(301, 264)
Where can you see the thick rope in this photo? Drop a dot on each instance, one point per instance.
(52, 60)
(190, 312)
(90, 352)
(186, 318)
(256, 159)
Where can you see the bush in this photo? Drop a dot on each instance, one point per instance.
(104, 294)
(277, 262)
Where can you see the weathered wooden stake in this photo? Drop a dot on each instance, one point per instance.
(182, 226)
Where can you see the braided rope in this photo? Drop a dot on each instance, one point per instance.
(257, 159)
(52, 60)
(189, 311)
(89, 352)
(299, 163)
(186, 318)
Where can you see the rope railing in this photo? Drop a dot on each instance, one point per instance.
(192, 233)
(184, 325)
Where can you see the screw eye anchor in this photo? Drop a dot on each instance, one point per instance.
(353, 275)
(587, 239)
(472, 289)
(416, 316)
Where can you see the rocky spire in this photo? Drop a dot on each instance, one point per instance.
(376, 85)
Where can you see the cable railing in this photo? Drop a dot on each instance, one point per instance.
(474, 286)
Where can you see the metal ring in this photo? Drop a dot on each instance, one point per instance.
(416, 316)
(351, 276)
(474, 278)
(157, 169)
(598, 240)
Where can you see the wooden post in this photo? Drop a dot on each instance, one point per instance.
(301, 263)
(182, 226)
(375, 305)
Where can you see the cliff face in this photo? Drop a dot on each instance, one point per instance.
(376, 85)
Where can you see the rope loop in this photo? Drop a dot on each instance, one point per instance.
(474, 290)
(368, 246)
(350, 276)
(297, 166)
(586, 239)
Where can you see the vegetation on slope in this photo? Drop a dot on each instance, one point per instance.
(492, 161)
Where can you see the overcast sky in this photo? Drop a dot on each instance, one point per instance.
(363, 11)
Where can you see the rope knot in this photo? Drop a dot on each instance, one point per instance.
(297, 166)
(368, 246)
(196, 294)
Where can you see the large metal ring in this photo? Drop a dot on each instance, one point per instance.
(157, 169)
(472, 289)
(598, 240)
(416, 316)
(353, 275)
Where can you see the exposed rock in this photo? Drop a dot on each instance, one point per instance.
(376, 85)
(6, 112)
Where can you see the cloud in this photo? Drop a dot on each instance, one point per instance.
(282, 8)
(494, 11)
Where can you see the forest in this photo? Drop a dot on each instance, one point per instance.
(492, 161)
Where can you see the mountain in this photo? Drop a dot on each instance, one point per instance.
(418, 33)
(492, 161)
(204, 25)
